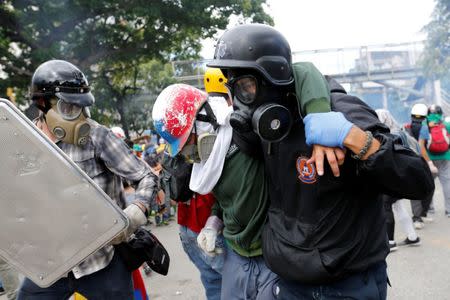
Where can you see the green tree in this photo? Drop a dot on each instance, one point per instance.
(110, 40)
(437, 47)
(125, 95)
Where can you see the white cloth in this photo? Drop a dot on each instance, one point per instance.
(205, 174)
(404, 219)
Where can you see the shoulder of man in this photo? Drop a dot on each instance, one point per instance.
(357, 112)
(98, 132)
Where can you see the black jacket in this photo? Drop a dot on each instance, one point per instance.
(321, 229)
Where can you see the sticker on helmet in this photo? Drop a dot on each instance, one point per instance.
(221, 49)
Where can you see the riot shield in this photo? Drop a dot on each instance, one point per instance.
(52, 215)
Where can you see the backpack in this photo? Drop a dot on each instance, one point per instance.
(439, 140)
(177, 176)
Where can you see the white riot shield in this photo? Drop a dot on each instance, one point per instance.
(52, 215)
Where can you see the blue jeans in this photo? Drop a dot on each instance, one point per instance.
(247, 278)
(368, 285)
(113, 282)
(210, 267)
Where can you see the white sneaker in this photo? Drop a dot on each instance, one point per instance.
(427, 219)
(418, 225)
(392, 246)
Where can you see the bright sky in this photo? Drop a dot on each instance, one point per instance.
(320, 24)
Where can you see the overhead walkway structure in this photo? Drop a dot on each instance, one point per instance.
(347, 65)
(374, 69)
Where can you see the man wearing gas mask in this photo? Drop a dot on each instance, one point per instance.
(197, 127)
(324, 235)
(226, 162)
(62, 94)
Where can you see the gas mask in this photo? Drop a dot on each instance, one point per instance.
(199, 150)
(256, 108)
(68, 122)
(201, 141)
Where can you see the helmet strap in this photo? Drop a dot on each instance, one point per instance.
(210, 117)
(44, 108)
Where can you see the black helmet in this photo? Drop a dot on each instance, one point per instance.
(255, 46)
(63, 80)
(435, 109)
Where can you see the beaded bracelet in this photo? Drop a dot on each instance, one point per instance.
(366, 147)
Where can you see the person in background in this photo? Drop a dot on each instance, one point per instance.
(420, 208)
(392, 204)
(138, 149)
(161, 146)
(149, 150)
(434, 138)
(159, 205)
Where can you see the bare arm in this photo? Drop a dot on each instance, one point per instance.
(423, 150)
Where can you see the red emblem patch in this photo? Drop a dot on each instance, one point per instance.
(307, 172)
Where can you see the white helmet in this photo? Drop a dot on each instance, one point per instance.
(118, 132)
(419, 109)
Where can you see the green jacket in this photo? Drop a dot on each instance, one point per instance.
(242, 190)
(242, 195)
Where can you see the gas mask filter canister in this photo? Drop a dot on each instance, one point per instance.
(272, 122)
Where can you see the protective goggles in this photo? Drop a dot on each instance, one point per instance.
(245, 88)
(68, 111)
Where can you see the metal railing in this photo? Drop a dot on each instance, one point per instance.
(347, 65)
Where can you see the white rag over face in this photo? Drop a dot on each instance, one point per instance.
(205, 174)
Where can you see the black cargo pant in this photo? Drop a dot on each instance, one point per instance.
(420, 208)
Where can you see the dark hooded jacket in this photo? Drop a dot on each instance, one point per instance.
(322, 229)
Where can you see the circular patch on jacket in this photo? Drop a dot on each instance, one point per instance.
(306, 172)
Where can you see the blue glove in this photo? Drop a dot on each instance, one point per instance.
(326, 129)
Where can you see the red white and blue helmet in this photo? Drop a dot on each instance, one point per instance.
(174, 114)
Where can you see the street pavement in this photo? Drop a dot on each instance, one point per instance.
(421, 272)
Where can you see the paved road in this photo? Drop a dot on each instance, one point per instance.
(415, 272)
(423, 272)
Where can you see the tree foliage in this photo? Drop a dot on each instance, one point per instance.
(114, 42)
(437, 47)
(125, 94)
